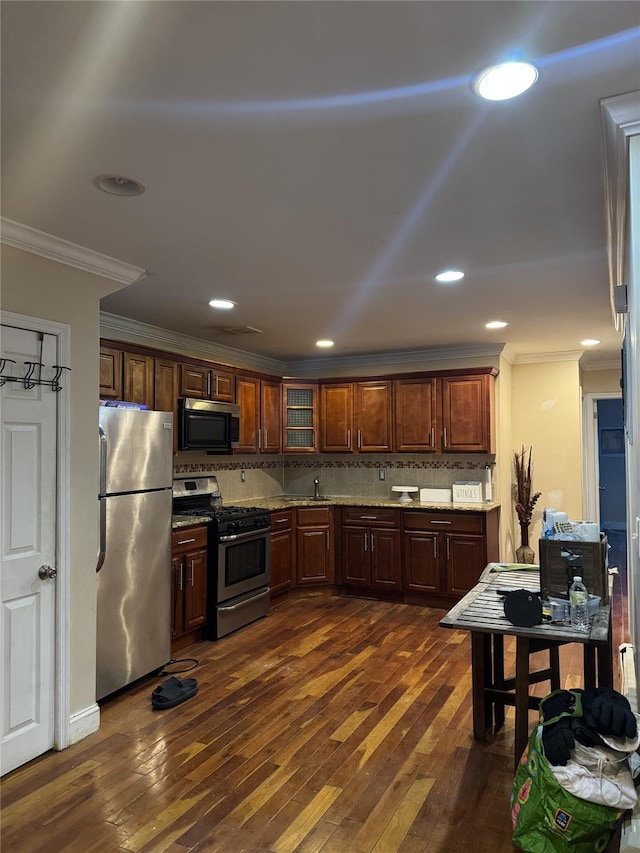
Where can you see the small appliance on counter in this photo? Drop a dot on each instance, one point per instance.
(238, 555)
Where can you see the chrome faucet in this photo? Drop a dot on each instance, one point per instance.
(316, 488)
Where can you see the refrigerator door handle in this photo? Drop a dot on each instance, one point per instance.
(103, 461)
(102, 526)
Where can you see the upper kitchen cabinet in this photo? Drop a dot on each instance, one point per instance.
(126, 375)
(356, 417)
(207, 383)
(138, 379)
(299, 417)
(166, 385)
(110, 373)
(452, 413)
(165, 391)
(468, 413)
(416, 415)
(260, 403)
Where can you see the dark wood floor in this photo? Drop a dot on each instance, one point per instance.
(333, 725)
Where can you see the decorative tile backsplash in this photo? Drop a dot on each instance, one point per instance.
(338, 475)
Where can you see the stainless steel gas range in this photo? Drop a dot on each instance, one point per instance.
(239, 555)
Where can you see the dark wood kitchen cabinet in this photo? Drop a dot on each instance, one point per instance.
(260, 402)
(446, 552)
(138, 379)
(445, 414)
(282, 551)
(371, 556)
(300, 417)
(356, 417)
(165, 386)
(207, 383)
(126, 376)
(110, 373)
(314, 546)
(416, 415)
(188, 585)
(165, 391)
(468, 414)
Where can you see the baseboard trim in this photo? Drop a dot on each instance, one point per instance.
(84, 723)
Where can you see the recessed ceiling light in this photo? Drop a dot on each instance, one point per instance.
(119, 185)
(504, 81)
(224, 304)
(324, 343)
(589, 342)
(450, 275)
(496, 324)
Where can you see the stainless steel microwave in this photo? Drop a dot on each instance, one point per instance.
(206, 425)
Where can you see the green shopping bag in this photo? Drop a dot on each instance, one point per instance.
(549, 819)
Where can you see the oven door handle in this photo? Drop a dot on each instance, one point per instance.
(250, 534)
(230, 607)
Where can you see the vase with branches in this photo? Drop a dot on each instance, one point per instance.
(525, 499)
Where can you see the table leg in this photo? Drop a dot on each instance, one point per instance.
(589, 653)
(498, 677)
(522, 697)
(480, 655)
(605, 660)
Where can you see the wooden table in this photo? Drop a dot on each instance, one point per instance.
(481, 612)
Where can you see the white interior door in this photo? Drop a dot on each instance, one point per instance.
(28, 488)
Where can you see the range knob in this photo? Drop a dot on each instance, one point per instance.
(233, 526)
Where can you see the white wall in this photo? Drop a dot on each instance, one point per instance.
(37, 287)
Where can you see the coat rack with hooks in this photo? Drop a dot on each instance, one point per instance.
(30, 379)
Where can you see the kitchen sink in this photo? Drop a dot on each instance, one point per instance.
(304, 498)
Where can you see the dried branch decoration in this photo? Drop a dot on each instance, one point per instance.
(525, 501)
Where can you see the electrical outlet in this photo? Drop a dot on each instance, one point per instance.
(243, 477)
(382, 473)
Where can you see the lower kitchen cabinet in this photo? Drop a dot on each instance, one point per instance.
(188, 585)
(446, 552)
(314, 546)
(282, 551)
(371, 555)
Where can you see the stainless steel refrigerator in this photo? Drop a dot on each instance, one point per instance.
(134, 561)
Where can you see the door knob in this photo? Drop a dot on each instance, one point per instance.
(45, 572)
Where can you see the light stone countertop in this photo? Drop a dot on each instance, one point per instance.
(279, 502)
(178, 521)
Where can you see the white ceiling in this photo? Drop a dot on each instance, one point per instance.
(319, 162)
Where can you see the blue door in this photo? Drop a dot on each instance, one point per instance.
(611, 464)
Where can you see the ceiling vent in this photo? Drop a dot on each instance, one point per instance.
(242, 330)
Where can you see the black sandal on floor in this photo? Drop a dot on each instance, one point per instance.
(173, 692)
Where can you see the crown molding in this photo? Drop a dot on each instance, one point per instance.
(610, 364)
(378, 360)
(20, 236)
(624, 112)
(133, 331)
(540, 357)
